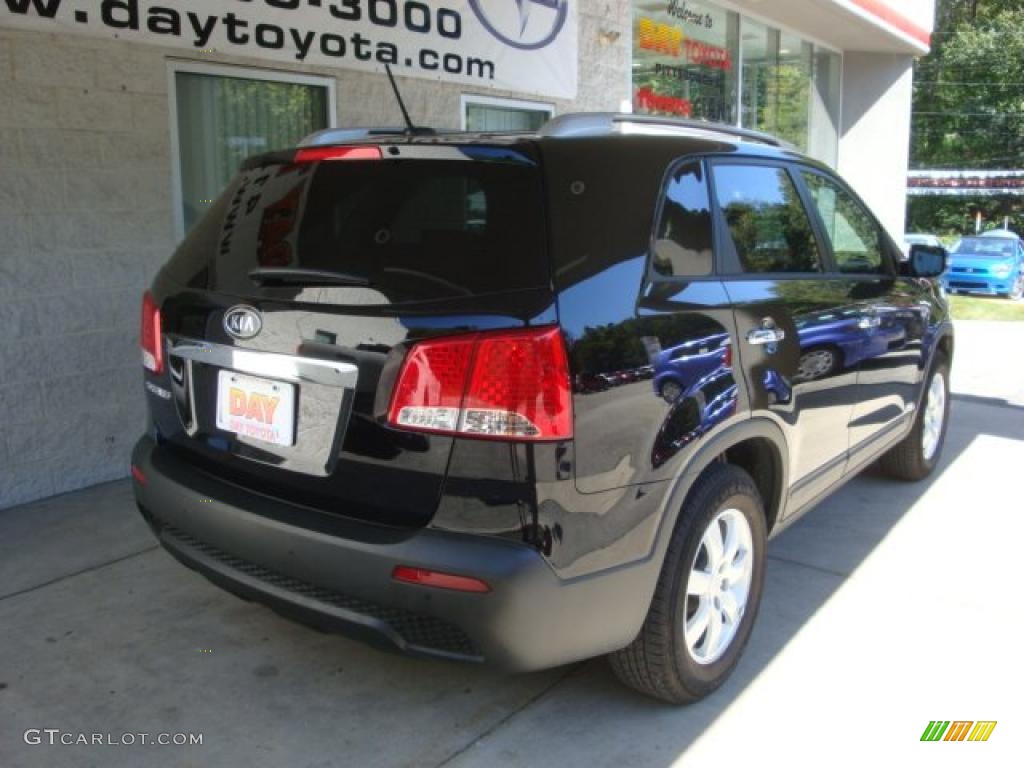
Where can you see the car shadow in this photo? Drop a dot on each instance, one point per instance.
(807, 564)
(310, 694)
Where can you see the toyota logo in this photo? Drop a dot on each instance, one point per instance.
(242, 322)
(523, 24)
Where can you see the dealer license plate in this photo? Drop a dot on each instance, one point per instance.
(257, 408)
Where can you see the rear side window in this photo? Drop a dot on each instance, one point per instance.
(682, 242)
(766, 221)
(414, 229)
(855, 237)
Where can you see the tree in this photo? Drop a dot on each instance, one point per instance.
(969, 106)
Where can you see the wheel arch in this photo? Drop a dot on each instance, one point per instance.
(759, 447)
(946, 343)
(756, 445)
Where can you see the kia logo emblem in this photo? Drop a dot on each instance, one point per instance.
(242, 322)
(523, 24)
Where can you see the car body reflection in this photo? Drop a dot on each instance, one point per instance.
(834, 340)
(677, 368)
(709, 401)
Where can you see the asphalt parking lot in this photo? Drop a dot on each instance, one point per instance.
(889, 606)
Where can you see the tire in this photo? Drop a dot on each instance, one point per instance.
(660, 662)
(910, 459)
(1018, 290)
(671, 390)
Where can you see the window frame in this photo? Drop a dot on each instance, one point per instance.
(174, 66)
(502, 102)
(731, 268)
(885, 242)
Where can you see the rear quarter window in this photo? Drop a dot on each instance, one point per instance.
(682, 239)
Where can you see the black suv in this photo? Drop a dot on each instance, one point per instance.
(531, 398)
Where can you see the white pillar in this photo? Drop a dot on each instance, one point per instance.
(874, 137)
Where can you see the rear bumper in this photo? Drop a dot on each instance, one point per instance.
(335, 574)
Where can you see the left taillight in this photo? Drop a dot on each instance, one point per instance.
(149, 338)
(504, 385)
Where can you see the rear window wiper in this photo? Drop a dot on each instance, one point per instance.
(303, 276)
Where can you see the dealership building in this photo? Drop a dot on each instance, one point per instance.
(121, 121)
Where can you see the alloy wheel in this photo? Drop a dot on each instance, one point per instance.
(934, 416)
(815, 364)
(718, 586)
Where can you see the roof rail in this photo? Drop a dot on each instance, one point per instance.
(600, 123)
(344, 135)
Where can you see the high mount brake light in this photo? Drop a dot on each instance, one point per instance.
(510, 385)
(316, 154)
(149, 337)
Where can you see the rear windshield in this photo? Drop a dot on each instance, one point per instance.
(985, 247)
(416, 230)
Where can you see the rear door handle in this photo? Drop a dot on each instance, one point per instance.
(765, 336)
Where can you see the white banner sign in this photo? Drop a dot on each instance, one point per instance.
(526, 46)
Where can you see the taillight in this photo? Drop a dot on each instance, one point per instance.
(511, 385)
(316, 154)
(152, 348)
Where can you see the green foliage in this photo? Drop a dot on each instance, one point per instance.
(969, 109)
(968, 105)
(955, 215)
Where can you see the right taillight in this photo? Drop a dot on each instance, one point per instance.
(149, 340)
(511, 385)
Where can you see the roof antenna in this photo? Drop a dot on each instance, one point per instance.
(410, 129)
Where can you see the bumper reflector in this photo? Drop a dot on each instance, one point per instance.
(409, 575)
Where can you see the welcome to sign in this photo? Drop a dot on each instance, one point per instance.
(527, 46)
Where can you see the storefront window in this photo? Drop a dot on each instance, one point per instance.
(760, 51)
(685, 58)
(223, 120)
(823, 142)
(792, 90)
(503, 115)
(698, 60)
(776, 83)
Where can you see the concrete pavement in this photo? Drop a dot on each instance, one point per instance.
(990, 360)
(890, 605)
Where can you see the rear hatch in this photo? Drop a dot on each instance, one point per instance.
(287, 311)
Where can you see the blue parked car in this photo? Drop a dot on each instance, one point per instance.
(987, 264)
(676, 369)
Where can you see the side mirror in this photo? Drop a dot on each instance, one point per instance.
(925, 261)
